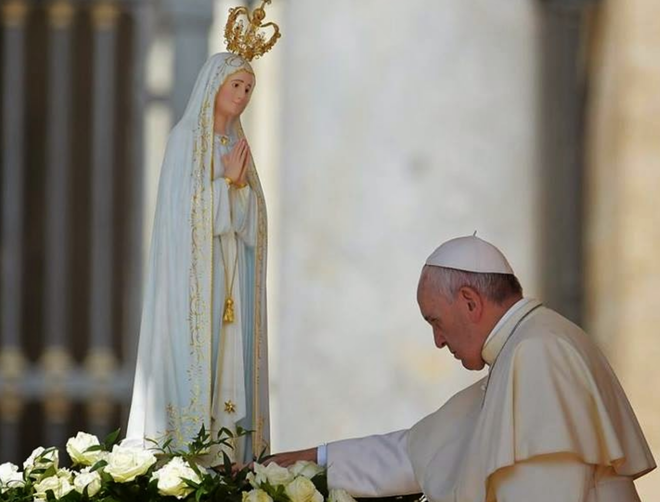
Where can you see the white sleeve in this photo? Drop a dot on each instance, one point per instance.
(547, 478)
(373, 466)
(221, 207)
(322, 455)
(244, 218)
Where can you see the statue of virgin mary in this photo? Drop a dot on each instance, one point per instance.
(202, 356)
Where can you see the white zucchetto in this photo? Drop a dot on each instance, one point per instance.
(470, 254)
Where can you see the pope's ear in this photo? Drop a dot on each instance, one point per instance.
(472, 301)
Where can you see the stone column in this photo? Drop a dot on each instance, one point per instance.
(141, 13)
(12, 362)
(623, 238)
(101, 361)
(403, 124)
(56, 360)
(562, 96)
(190, 23)
(11, 409)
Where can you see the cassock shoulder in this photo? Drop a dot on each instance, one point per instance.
(551, 357)
(554, 392)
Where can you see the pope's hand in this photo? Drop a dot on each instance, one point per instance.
(235, 162)
(235, 467)
(291, 457)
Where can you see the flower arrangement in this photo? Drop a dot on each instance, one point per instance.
(109, 472)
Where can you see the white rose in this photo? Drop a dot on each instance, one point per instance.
(7, 470)
(59, 486)
(171, 478)
(305, 468)
(10, 477)
(302, 489)
(340, 496)
(252, 479)
(125, 464)
(256, 496)
(42, 459)
(258, 477)
(77, 449)
(277, 475)
(89, 480)
(65, 473)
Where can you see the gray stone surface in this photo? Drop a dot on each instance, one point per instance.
(403, 124)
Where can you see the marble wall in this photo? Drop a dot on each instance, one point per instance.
(402, 124)
(623, 271)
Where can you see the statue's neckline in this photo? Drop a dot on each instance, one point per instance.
(224, 139)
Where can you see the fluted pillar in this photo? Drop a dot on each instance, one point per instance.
(101, 361)
(191, 21)
(14, 14)
(56, 360)
(133, 295)
(623, 270)
(11, 407)
(562, 92)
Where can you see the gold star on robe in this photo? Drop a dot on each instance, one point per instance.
(230, 407)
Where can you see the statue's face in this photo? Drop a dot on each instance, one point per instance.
(234, 95)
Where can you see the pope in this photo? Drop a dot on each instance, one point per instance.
(549, 423)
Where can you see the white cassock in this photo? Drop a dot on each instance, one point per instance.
(550, 423)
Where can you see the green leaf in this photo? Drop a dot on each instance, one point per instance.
(226, 461)
(321, 483)
(153, 441)
(193, 465)
(72, 496)
(190, 483)
(262, 456)
(99, 465)
(51, 471)
(106, 478)
(111, 439)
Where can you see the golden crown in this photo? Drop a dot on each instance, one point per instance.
(250, 42)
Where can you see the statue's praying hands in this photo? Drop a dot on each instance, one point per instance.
(236, 162)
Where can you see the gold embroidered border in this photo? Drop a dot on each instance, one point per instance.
(259, 295)
(184, 422)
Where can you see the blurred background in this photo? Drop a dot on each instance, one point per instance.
(380, 129)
